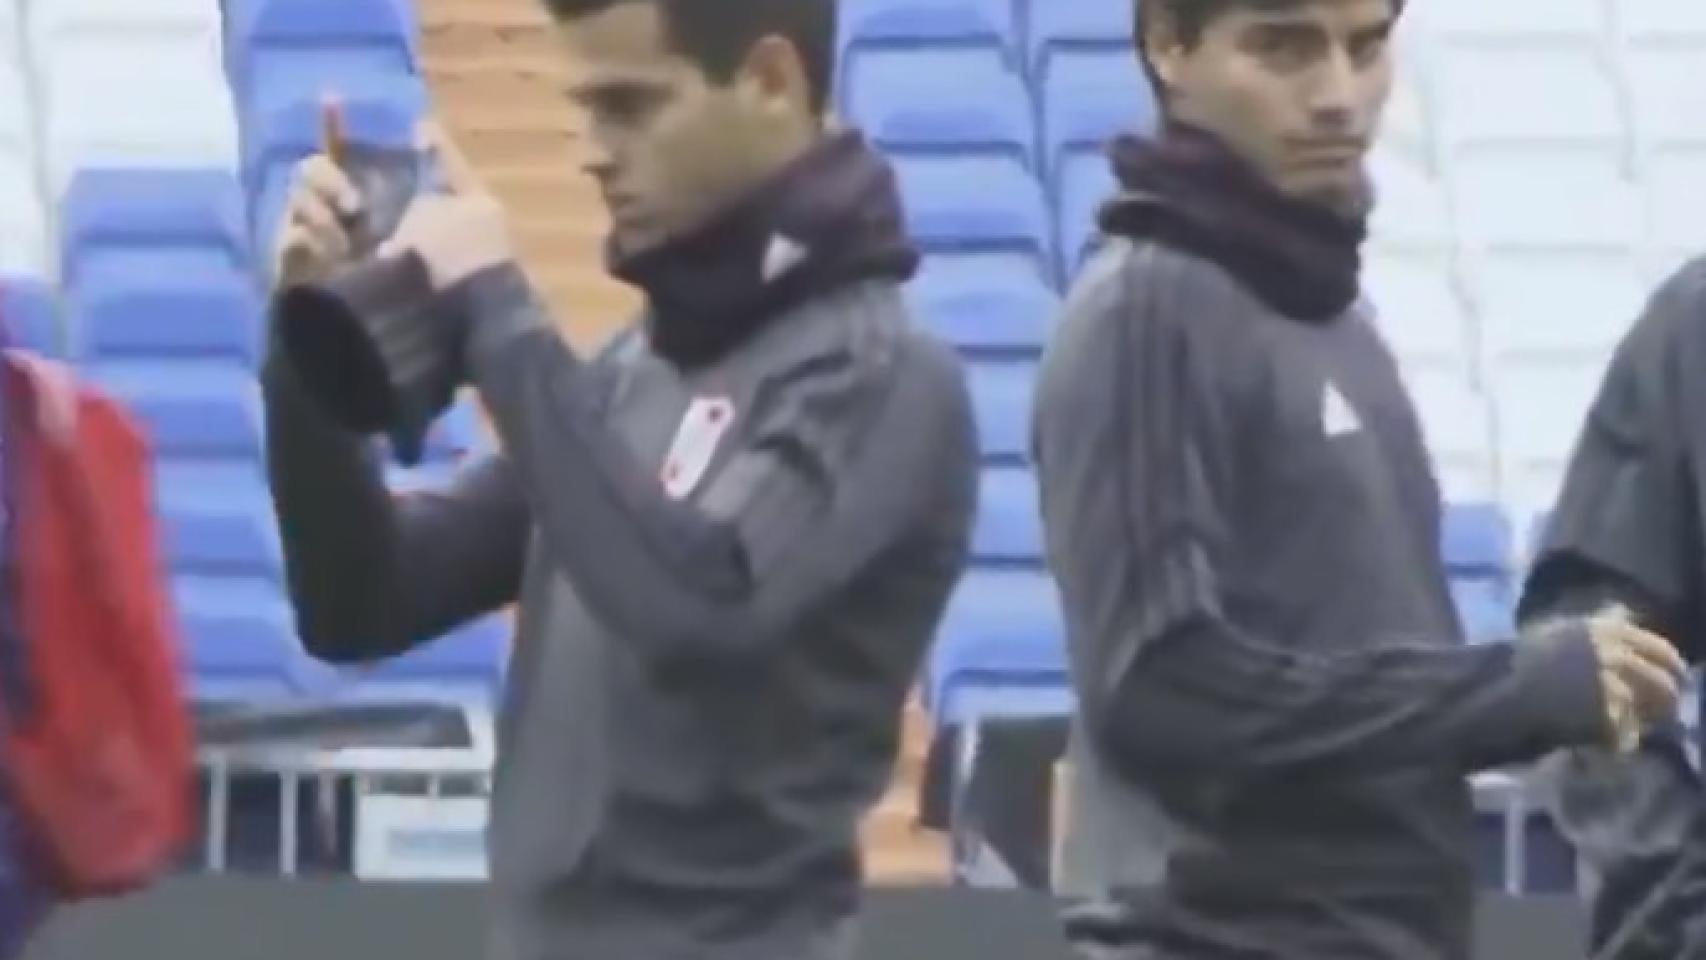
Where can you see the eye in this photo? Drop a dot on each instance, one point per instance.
(1365, 48)
(1285, 46)
(620, 104)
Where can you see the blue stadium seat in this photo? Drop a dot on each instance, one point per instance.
(1002, 637)
(1001, 397)
(1087, 99)
(1485, 608)
(1476, 547)
(867, 23)
(241, 640)
(191, 409)
(977, 104)
(283, 48)
(1058, 26)
(174, 221)
(1475, 540)
(1009, 524)
(1086, 182)
(136, 311)
(965, 204)
(467, 663)
(29, 311)
(984, 302)
(217, 519)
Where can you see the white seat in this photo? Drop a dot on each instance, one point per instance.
(1554, 306)
(23, 218)
(1457, 424)
(1418, 308)
(1536, 197)
(1519, 20)
(193, 22)
(1664, 21)
(1411, 208)
(1406, 127)
(104, 108)
(1666, 96)
(1560, 93)
(17, 114)
(1676, 194)
(1539, 409)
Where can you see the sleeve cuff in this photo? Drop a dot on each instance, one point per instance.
(1562, 695)
(499, 306)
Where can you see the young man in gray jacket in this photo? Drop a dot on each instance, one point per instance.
(1278, 711)
(731, 535)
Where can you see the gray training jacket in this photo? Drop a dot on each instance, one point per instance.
(727, 581)
(1278, 708)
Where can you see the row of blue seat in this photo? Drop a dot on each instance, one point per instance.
(1027, 33)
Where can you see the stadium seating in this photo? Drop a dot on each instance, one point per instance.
(29, 307)
(286, 50)
(978, 104)
(978, 305)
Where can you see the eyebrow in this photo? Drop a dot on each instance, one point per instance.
(607, 86)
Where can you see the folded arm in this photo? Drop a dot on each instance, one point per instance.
(1135, 449)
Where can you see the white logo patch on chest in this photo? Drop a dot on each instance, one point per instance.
(702, 428)
(1338, 418)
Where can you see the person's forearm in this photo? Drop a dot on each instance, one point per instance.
(1211, 702)
(370, 575)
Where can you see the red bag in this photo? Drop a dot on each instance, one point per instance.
(97, 735)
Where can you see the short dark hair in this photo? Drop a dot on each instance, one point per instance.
(1189, 18)
(717, 34)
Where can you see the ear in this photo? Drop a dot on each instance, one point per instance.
(774, 76)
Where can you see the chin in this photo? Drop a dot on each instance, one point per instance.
(1346, 194)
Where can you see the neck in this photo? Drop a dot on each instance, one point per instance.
(1189, 190)
(829, 217)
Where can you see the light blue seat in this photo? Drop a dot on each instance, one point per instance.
(241, 641)
(1009, 524)
(190, 409)
(974, 204)
(990, 302)
(977, 103)
(134, 311)
(1064, 26)
(1087, 100)
(177, 222)
(217, 519)
(1001, 392)
(281, 49)
(29, 310)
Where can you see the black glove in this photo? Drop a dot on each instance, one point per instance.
(377, 348)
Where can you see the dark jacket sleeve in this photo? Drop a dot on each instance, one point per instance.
(372, 574)
(1133, 434)
(845, 458)
(1627, 523)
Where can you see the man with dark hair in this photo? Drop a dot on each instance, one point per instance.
(1628, 529)
(731, 535)
(1277, 708)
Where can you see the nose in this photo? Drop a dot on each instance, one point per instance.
(1333, 103)
(598, 161)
